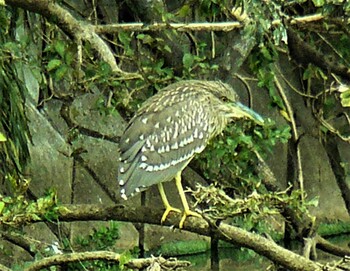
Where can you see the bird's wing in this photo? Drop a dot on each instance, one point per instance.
(160, 142)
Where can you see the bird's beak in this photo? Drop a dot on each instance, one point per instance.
(239, 110)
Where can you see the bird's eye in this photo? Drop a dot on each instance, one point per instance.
(224, 99)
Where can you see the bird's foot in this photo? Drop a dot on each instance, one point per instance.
(169, 209)
(185, 214)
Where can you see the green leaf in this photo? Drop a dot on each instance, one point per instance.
(167, 48)
(13, 47)
(313, 202)
(188, 60)
(54, 64)
(140, 36)
(307, 73)
(124, 38)
(2, 206)
(318, 3)
(60, 48)
(125, 257)
(147, 39)
(265, 52)
(184, 11)
(345, 98)
(2, 137)
(69, 57)
(61, 72)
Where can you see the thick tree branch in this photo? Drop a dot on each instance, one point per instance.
(304, 54)
(326, 246)
(298, 224)
(339, 172)
(224, 231)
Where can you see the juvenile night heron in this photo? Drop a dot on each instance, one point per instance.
(167, 132)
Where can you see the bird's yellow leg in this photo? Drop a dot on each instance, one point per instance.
(187, 212)
(168, 207)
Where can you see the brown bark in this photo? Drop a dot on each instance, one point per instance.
(106, 256)
(224, 231)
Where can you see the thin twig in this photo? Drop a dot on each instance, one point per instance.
(294, 134)
(250, 96)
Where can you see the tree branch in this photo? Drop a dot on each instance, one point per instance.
(106, 256)
(224, 231)
(295, 137)
(22, 241)
(182, 27)
(326, 246)
(304, 53)
(4, 268)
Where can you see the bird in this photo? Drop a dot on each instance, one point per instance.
(168, 130)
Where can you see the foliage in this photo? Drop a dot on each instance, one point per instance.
(61, 57)
(177, 248)
(259, 206)
(332, 229)
(229, 158)
(14, 153)
(100, 239)
(103, 238)
(261, 62)
(17, 210)
(254, 212)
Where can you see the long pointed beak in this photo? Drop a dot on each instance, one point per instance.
(241, 111)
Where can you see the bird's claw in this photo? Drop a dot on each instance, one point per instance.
(169, 209)
(185, 214)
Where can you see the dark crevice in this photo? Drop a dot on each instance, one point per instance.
(111, 195)
(65, 110)
(82, 130)
(332, 150)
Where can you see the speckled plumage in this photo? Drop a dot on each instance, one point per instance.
(169, 129)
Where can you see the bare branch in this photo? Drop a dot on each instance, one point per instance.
(4, 268)
(106, 256)
(330, 248)
(22, 241)
(295, 135)
(181, 27)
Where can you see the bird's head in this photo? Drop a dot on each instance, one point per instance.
(232, 108)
